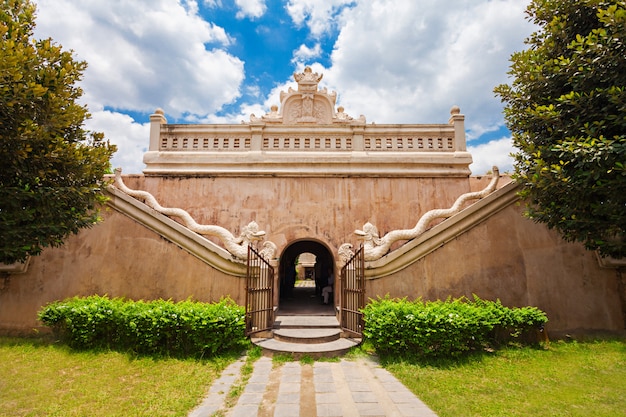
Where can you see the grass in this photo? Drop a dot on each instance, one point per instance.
(38, 378)
(564, 379)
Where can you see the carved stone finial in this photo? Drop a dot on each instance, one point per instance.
(268, 251)
(307, 80)
(273, 114)
(455, 110)
(341, 116)
(345, 253)
(158, 117)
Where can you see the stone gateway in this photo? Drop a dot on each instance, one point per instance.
(307, 186)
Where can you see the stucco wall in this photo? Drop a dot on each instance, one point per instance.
(117, 257)
(522, 263)
(325, 209)
(506, 257)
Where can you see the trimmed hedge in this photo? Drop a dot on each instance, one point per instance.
(159, 327)
(446, 328)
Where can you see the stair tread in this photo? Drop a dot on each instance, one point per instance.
(306, 321)
(279, 346)
(313, 333)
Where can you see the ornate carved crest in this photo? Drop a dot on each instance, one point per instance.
(307, 80)
(308, 104)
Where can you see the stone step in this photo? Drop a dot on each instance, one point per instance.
(306, 322)
(315, 350)
(312, 335)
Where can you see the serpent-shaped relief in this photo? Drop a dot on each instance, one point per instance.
(236, 246)
(376, 247)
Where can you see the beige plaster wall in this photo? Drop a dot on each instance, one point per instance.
(522, 263)
(287, 209)
(118, 257)
(506, 257)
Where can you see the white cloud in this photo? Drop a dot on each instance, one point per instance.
(319, 15)
(250, 8)
(304, 53)
(496, 152)
(410, 62)
(145, 54)
(131, 138)
(142, 55)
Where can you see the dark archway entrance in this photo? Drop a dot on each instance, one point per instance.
(302, 294)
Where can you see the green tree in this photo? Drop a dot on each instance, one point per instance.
(566, 109)
(52, 169)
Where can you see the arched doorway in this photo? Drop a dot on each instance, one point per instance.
(300, 285)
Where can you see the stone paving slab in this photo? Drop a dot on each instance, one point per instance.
(347, 388)
(218, 391)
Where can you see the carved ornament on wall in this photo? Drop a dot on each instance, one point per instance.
(376, 247)
(236, 246)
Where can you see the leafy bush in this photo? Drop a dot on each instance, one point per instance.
(445, 328)
(185, 328)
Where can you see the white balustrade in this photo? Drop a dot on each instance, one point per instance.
(172, 141)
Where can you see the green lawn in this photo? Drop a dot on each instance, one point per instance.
(565, 379)
(42, 379)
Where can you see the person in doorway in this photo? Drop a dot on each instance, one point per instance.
(328, 289)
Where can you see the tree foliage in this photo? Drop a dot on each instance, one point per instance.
(52, 169)
(566, 109)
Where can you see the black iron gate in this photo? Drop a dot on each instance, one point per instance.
(353, 294)
(259, 293)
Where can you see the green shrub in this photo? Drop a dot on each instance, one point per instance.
(161, 327)
(445, 328)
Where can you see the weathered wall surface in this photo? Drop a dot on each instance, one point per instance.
(505, 257)
(118, 257)
(326, 209)
(522, 263)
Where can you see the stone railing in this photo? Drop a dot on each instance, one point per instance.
(266, 137)
(177, 142)
(350, 147)
(307, 143)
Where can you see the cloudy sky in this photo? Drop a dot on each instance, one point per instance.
(218, 61)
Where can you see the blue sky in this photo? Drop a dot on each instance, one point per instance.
(218, 61)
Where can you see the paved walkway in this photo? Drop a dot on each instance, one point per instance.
(347, 388)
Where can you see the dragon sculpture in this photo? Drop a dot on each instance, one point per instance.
(236, 246)
(376, 247)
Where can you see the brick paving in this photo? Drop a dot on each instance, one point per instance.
(347, 388)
